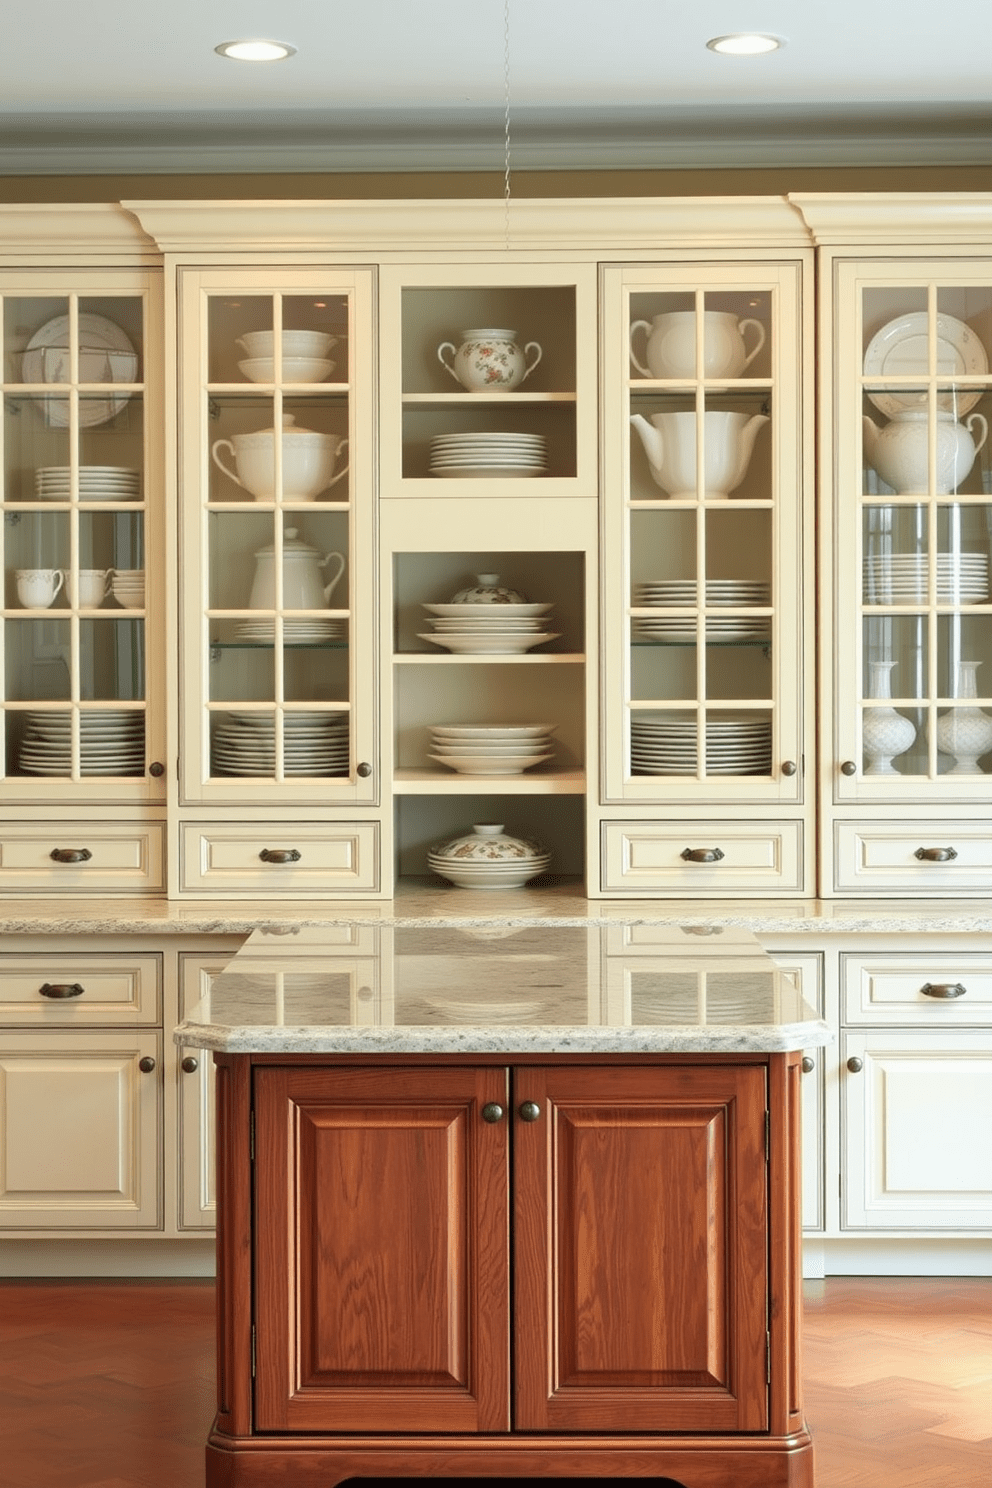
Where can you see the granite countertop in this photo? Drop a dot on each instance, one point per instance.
(501, 989)
(426, 903)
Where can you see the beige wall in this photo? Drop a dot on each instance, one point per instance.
(490, 184)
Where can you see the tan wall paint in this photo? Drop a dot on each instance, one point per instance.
(418, 185)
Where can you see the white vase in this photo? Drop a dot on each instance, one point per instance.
(965, 733)
(884, 732)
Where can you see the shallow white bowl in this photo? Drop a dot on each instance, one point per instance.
(294, 369)
(294, 343)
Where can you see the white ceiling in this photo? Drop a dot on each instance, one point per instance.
(421, 84)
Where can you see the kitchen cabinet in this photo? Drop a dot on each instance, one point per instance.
(539, 1263)
(905, 402)
(82, 537)
(705, 721)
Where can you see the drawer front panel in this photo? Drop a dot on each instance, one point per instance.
(303, 858)
(759, 858)
(878, 856)
(918, 988)
(77, 989)
(104, 858)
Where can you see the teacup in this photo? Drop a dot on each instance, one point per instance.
(37, 587)
(89, 587)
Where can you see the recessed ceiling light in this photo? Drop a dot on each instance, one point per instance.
(745, 44)
(255, 50)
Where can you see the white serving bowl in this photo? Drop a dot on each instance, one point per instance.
(294, 369)
(294, 343)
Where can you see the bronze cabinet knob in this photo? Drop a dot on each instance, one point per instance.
(190, 1065)
(529, 1111)
(849, 768)
(364, 770)
(146, 1065)
(492, 1112)
(855, 1065)
(808, 1065)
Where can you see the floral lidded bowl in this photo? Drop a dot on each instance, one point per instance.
(487, 589)
(486, 858)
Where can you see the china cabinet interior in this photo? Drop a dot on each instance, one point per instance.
(82, 686)
(907, 734)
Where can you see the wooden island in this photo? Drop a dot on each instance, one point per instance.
(507, 1202)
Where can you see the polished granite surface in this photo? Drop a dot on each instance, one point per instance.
(427, 902)
(512, 989)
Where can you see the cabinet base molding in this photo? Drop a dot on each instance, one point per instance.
(888, 1256)
(690, 1462)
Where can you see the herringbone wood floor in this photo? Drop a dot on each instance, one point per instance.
(110, 1384)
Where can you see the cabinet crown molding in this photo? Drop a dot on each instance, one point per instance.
(75, 232)
(837, 219)
(584, 225)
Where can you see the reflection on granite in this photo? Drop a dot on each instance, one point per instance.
(501, 989)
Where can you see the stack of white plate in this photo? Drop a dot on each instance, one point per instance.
(111, 742)
(313, 744)
(494, 628)
(491, 749)
(903, 578)
(671, 593)
(96, 483)
(306, 631)
(663, 745)
(471, 456)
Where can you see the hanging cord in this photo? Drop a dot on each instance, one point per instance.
(506, 123)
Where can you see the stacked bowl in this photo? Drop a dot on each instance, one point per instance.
(486, 858)
(304, 356)
(128, 587)
(491, 749)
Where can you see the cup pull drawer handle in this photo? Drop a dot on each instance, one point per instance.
(280, 855)
(61, 989)
(701, 854)
(935, 854)
(945, 990)
(70, 854)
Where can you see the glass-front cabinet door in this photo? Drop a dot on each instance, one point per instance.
(913, 661)
(81, 651)
(704, 535)
(277, 524)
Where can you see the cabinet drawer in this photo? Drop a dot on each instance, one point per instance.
(877, 856)
(917, 988)
(81, 989)
(222, 858)
(757, 858)
(126, 859)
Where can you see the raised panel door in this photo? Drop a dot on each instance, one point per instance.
(381, 1266)
(640, 1261)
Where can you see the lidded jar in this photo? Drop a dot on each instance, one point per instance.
(487, 589)
(308, 459)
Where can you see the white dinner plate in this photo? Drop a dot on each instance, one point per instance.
(492, 645)
(900, 349)
(106, 354)
(466, 764)
(511, 611)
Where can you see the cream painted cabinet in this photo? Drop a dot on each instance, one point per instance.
(277, 722)
(489, 547)
(707, 647)
(82, 534)
(906, 531)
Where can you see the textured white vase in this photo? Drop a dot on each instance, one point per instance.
(884, 732)
(965, 733)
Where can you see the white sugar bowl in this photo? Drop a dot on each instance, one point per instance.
(489, 359)
(488, 590)
(308, 460)
(487, 858)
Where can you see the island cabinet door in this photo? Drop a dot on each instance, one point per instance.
(640, 1249)
(382, 1250)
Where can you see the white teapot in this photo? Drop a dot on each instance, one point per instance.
(671, 346)
(670, 444)
(489, 360)
(901, 451)
(303, 587)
